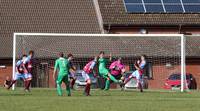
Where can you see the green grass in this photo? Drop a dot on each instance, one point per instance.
(113, 100)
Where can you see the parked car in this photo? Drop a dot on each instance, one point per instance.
(174, 81)
(80, 81)
(132, 84)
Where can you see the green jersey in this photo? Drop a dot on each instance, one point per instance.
(102, 66)
(63, 65)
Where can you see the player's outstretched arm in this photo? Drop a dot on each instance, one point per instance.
(54, 73)
(137, 67)
(110, 57)
(55, 70)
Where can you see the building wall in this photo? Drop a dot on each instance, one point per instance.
(159, 79)
(5, 72)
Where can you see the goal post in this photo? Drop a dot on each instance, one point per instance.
(166, 52)
(183, 64)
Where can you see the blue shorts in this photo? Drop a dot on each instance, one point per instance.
(19, 76)
(22, 76)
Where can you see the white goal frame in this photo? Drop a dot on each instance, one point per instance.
(183, 62)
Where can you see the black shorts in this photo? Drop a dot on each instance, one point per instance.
(118, 77)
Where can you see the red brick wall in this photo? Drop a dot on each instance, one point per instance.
(160, 73)
(5, 72)
(195, 70)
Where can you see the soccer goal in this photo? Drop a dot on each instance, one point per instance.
(165, 54)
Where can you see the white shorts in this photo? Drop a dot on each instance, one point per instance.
(136, 74)
(28, 75)
(85, 75)
(19, 76)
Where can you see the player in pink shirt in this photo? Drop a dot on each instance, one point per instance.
(117, 68)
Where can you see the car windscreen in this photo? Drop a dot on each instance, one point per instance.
(175, 77)
(178, 77)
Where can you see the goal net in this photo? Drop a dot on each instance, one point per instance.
(165, 55)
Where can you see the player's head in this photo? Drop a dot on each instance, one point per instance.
(124, 70)
(119, 60)
(70, 56)
(31, 53)
(143, 57)
(101, 54)
(61, 54)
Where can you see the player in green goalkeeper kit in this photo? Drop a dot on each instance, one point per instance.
(103, 71)
(62, 65)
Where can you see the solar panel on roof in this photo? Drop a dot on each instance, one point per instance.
(135, 8)
(156, 6)
(171, 1)
(133, 1)
(152, 1)
(153, 6)
(191, 1)
(173, 8)
(191, 5)
(192, 8)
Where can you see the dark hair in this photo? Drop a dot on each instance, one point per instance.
(69, 55)
(119, 58)
(31, 52)
(24, 55)
(145, 57)
(61, 54)
(101, 52)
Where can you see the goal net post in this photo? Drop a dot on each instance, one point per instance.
(165, 52)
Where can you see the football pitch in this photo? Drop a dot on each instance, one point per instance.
(113, 100)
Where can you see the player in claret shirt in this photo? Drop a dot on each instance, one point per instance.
(20, 69)
(88, 69)
(28, 70)
(72, 70)
(139, 65)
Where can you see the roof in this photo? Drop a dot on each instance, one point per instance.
(45, 16)
(114, 13)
